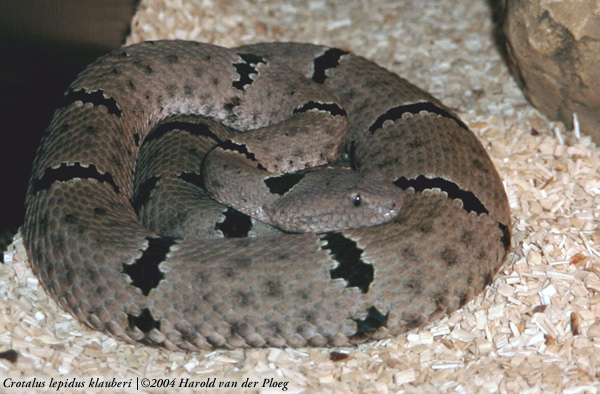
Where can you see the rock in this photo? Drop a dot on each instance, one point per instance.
(554, 53)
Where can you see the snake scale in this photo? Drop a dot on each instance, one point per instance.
(171, 193)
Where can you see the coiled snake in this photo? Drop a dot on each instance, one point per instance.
(157, 132)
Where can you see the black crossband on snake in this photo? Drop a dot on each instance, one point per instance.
(191, 196)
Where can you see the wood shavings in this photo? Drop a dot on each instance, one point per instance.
(535, 329)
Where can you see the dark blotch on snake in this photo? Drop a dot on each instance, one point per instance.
(193, 178)
(371, 323)
(232, 103)
(71, 218)
(470, 202)
(66, 172)
(282, 183)
(333, 109)
(197, 129)
(96, 98)
(488, 279)
(352, 156)
(242, 149)
(144, 272)
(463, 299)
(397, 112)
(235, 225)
(449, 256)
(505, 236)
(143, 193)
(414, 321)
(351, 268)
(246, 69)
(172, 58)
(329, 59)
(145, 322)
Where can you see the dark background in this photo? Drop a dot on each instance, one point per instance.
(43, 45)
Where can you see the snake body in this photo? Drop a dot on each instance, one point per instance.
(164, 133)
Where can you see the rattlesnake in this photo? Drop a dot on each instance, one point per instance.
(415, 228)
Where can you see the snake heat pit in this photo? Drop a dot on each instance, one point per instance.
(191, 196)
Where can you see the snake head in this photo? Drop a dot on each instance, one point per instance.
(335, 199)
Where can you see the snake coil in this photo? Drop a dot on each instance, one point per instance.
(153, 133)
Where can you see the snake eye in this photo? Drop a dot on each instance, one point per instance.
(356, 200)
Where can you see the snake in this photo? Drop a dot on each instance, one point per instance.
(190, 196)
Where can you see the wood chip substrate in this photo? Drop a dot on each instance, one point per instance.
(536, 329)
